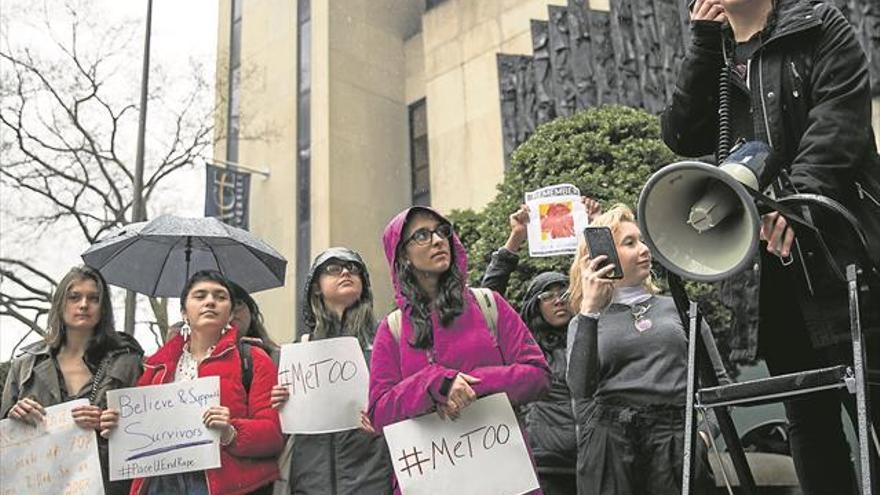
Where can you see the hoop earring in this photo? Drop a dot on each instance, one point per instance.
(185, 329)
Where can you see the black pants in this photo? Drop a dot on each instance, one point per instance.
(637, 451)
(818, 444)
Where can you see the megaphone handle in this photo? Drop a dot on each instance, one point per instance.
(786, 211)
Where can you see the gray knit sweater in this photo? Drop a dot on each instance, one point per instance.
(610, 358)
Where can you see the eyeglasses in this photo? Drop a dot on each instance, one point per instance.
(423, 236)
(335, 268)
(553, 295)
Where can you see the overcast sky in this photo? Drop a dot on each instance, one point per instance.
(182, 31)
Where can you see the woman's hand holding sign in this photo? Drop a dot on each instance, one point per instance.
(109, 420)
(459, 397)
(87, 417)
(278, 396)
(217, 417)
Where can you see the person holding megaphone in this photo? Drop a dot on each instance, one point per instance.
(793, 76)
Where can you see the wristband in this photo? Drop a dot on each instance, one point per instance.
(446, 385)
(231, 437)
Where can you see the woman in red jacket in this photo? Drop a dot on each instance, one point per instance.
(250, 430)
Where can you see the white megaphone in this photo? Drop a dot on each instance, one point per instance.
(700, 220)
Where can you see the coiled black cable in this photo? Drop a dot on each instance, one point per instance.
(724, 113)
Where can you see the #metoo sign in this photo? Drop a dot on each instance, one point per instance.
(328, 382)
(53, 457)
(481, 452)
(161, 430)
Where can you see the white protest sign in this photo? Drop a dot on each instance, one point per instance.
(161, 430)
(328, 382)
(53, 457)
(483, 452)
(556, 218)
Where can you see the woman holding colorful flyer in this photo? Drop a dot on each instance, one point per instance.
(82, 357)
(441, 351)
(338, 303)
(250, 431)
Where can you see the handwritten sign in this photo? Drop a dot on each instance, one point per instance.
(482, 452)
(556, 219)
(161, 430)
(328, 382)
(53, 457)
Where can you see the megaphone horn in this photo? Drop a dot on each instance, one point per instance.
(700, 220)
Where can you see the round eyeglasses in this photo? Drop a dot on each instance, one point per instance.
(423, 236)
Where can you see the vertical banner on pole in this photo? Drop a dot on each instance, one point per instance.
(227, 194)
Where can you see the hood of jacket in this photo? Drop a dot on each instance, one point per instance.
(530, 311)
(391, 238)
(334, 253)
(531, 305)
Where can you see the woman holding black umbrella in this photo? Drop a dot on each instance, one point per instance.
(250, 429)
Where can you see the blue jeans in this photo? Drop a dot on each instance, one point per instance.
(193, 483)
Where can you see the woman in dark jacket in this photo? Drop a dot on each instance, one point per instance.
(82, 357)
(246, 315)
(550, 422)
(338, 303)
(799, 82)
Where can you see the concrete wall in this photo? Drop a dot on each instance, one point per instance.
(460, 41)
(360, 135)
(268, 121)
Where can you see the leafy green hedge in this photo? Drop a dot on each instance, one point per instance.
(607, 152)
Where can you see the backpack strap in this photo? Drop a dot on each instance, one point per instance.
(247, 364)
(485, 300)
(394, 324)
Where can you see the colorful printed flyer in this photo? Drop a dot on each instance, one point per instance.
(556, 218)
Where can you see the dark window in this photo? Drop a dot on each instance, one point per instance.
(303, 146)
(234, 100)
(418, 145)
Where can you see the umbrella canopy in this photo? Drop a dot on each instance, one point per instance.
(157, 257)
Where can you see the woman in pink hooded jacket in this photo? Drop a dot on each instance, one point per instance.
(444, 356)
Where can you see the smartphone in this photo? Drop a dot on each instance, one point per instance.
(600, 241)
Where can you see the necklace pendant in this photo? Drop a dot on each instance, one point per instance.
(643, 324)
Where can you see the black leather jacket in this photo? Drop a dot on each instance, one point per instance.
(549, 422)
(809, 96)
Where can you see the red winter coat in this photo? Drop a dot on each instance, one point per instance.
(249, 462)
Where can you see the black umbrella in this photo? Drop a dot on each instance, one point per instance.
(157, 257)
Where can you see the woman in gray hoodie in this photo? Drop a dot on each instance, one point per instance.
(338, 303)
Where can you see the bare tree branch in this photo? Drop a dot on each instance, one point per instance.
(67, 119)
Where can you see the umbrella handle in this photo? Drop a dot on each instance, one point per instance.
(187, 253)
